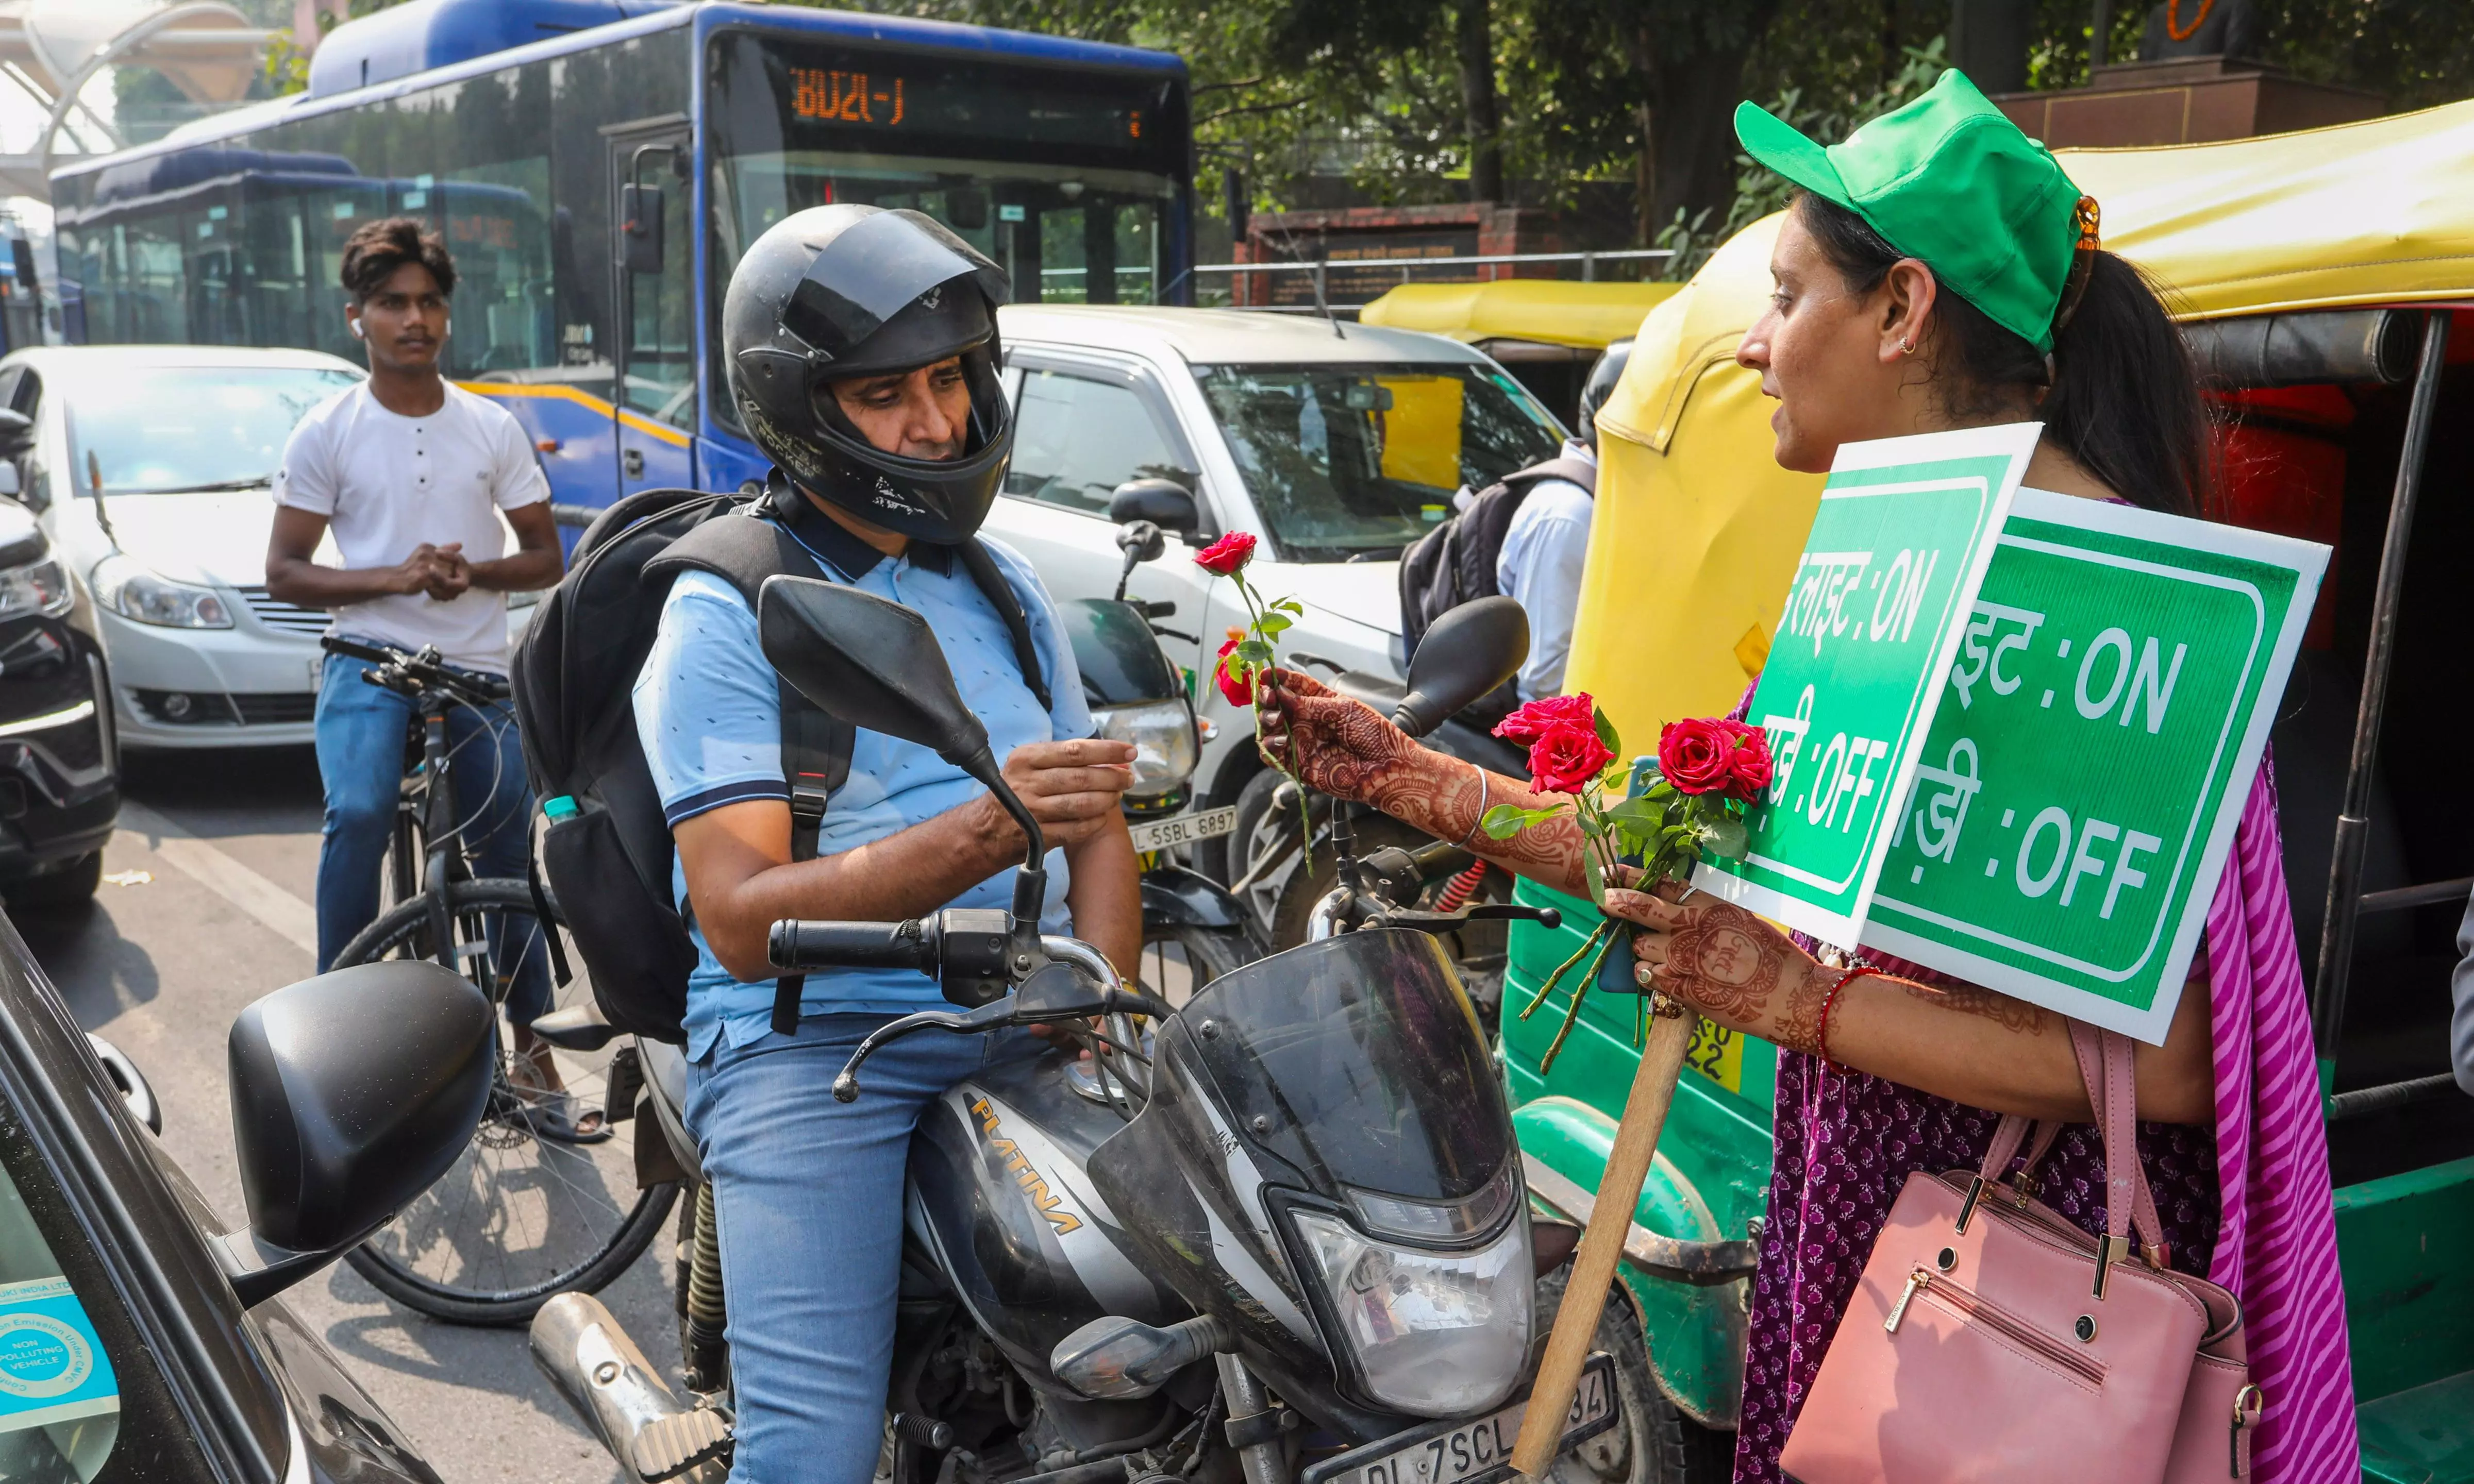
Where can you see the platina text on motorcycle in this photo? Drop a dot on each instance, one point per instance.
(1282, 1234)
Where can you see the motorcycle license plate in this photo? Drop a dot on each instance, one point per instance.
(1478, 1451)
(1183, 828)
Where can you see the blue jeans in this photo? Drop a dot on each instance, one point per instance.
(361, 729)
(808, 1196)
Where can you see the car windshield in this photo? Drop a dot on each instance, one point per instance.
(1359, 460)
(174, 429)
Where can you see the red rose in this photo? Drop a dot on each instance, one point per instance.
(1238, 689)
(1539, 717)
(1748, 766)
(1224, 556)
(1697, 756)
(1568, 759)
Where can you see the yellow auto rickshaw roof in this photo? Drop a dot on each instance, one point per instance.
(1546, 310)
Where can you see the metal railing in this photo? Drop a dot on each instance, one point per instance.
(1321, 268)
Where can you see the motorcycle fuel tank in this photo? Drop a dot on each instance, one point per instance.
(1000, 1197)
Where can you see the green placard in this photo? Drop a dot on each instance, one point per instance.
(1898, 547)
(2087, 768)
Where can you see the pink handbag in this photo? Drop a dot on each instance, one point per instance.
(1991, 1339)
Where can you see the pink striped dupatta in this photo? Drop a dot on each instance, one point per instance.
(2277, 1247)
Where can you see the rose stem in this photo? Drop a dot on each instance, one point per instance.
(1555, 978)
(1572, 1017)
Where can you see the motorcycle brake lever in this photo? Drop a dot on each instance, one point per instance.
(1487, 912)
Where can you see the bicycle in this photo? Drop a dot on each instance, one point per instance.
(528, 1212)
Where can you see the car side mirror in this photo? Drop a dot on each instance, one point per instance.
(17, 431)
(1163, 502)
(642, 211)
(341, 1116)
(1469, 652)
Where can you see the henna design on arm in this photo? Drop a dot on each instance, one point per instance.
(2015, 1016)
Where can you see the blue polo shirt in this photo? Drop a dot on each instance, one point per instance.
(708, 712)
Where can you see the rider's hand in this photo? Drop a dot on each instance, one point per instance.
(1725, 963)
(428, 567)
(1341, 747)
(1072, 788)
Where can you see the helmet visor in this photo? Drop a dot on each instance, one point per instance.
(866, 276)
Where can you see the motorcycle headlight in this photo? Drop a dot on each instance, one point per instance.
(1435, 1333)
(131, 590)
(40, 586)
(1162, 732)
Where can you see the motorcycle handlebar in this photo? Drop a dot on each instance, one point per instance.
(352, 651)
(480, 688)
(810, 944)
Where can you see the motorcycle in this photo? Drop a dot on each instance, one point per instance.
(1285, 1238)
(1194, 931)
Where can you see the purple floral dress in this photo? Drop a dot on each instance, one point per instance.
(1845, 1142)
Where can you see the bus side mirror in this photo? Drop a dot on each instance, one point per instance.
(641, 207)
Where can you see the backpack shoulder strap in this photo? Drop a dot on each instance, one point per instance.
(1572, 471)
(990, 578)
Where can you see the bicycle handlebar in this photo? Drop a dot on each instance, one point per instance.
(419, 668)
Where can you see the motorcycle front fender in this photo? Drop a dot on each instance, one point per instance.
(1174, 896)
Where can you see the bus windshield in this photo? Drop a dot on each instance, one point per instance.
(1070, 180)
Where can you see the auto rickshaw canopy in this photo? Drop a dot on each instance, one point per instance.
(1543, 311)
(1698, 530)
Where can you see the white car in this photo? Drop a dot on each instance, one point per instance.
(184, 442)
(1337, 447)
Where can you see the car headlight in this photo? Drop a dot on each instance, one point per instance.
(1162, 733)
(131, 590)
(39, 587)
(1435, 1333)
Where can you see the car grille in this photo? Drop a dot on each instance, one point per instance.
(287, 617)
(210, 709)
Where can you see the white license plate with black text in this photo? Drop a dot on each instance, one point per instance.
(1183, 828)
(1478, 1451)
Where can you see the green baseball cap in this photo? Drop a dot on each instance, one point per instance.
(1950, 182)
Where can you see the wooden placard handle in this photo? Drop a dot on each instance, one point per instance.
(1602, 1242)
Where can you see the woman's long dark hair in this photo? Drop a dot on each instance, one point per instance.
(2125, 397)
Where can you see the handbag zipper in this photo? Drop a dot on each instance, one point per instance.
(1972, 1309)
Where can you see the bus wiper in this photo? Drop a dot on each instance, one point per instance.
(219, 487)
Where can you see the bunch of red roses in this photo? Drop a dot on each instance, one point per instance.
(1708, 773)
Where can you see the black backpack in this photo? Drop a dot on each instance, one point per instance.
(1454, 562)
(607, 852)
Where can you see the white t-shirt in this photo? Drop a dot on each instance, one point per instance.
(388, 483)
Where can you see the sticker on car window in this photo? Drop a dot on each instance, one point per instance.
(52, 1367)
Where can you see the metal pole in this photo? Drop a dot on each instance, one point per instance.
(1589, 268)
(2353, 825)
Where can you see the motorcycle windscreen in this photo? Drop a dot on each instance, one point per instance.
(1359, 1061)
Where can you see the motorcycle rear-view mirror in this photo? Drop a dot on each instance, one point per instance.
(1469, 652)
(870, 663)
(1163, 502)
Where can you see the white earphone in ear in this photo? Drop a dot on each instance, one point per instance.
(358, 333)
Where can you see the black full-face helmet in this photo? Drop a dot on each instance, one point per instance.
(848, 291)
(1601, 386)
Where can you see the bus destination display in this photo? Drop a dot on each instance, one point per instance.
(948, 104)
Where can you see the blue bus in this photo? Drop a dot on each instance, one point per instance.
(597, 165)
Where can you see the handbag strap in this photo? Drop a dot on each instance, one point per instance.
(2105, 1066)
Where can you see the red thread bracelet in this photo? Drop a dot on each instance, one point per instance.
(1821, 1038)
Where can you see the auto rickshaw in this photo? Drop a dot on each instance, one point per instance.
(2323, 279)
(1547, 332)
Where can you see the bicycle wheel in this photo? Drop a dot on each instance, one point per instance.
(519, 1219)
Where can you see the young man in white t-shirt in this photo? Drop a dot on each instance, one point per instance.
(412, 474)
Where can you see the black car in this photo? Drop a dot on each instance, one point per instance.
(137, 1341)
(60, 775)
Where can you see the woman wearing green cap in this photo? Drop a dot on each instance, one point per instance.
(1938, 269)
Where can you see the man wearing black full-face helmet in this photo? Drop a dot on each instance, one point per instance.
(861, 352)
